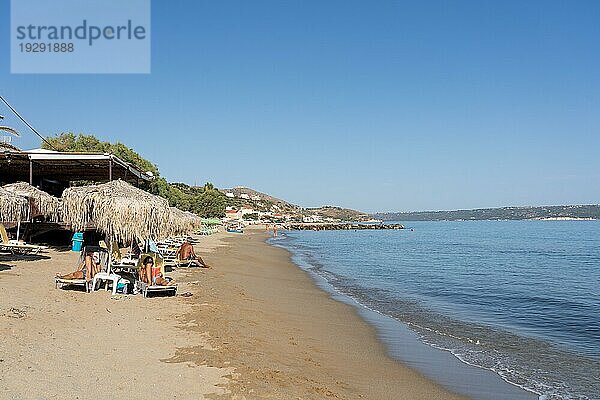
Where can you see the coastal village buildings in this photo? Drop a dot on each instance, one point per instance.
(312, 218)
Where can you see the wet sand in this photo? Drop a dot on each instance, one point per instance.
(255, 327)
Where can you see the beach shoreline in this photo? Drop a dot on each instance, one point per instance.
(256, 326)
(406, 346)
(287, 338)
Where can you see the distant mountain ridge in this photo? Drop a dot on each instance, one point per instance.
(591, 211)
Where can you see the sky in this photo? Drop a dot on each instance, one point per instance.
(377, 106)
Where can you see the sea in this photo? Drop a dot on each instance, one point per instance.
(520, 299)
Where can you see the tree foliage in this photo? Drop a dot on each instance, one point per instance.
(70, 142)
(211, 203)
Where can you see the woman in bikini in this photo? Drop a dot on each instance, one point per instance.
(151, 275)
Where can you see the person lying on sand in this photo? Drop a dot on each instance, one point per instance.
(186, 252)
(150, 274)
(87, 270)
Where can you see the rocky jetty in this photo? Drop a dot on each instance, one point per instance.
(339, 226)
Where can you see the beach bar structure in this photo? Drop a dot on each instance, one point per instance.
(52, 170)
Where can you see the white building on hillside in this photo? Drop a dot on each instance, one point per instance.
(312, 218)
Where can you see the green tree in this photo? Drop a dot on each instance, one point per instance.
(70, 142)
(210, 204)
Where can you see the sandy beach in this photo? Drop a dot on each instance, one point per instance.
(256, 327)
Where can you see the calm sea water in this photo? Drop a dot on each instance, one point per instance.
(521, 298)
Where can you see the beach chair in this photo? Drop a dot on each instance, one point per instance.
(15, 247)
(177, 262)
(171, 258)
(147, 289)
(102, 255)
(109, 275)
(167, 253)
(119, 261)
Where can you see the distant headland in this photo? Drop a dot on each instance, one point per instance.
(573, 212)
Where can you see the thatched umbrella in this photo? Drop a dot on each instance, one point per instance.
(13, 208)
(181, 222)
(117, 209)
(40, 202)
(194, 220)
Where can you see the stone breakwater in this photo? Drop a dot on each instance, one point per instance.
(341, 226)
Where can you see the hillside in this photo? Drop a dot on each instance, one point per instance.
(511, 213)
(250, 198)
(344, 214)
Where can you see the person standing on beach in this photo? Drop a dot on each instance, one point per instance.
(274, 230)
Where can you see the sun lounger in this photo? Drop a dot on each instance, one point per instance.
(73, 282)
(15, 247)
(148, 290)
(185, 263)
(167, 253)
(87, 285)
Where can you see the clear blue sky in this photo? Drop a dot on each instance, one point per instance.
(372, 105)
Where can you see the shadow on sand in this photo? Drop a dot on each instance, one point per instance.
(5, 267)
(19, 257)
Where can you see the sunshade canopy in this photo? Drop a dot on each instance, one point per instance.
(13, 208)
(181, 222)
(119, 210)
(40, 202)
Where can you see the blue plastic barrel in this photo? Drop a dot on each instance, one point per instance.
(77, 241)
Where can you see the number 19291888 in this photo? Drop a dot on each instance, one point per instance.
(46, 47)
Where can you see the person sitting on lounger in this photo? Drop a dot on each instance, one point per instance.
(88, 268)
(186, 252)
(151, 274)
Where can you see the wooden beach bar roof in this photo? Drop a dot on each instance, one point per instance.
(39, 165)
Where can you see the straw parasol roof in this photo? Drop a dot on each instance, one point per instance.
(41, 203)
(181, 222)
(119, 210)
(13, 208)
